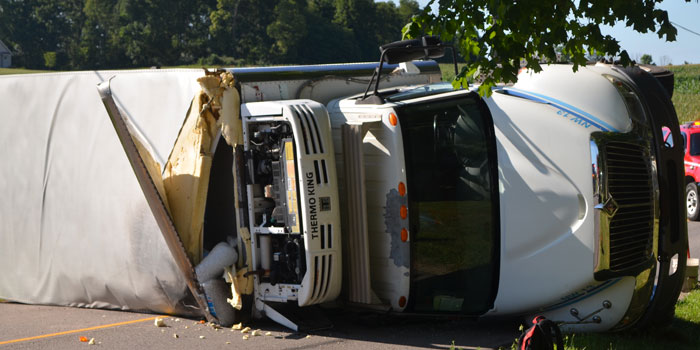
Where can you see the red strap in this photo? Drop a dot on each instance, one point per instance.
(527, 338)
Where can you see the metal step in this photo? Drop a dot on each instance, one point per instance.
(296, 318)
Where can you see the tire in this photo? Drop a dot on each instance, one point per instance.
(691, 201)
(217, 291)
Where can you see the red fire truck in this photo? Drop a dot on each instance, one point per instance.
(691, 145)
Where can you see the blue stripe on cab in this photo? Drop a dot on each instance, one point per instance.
(562, 105)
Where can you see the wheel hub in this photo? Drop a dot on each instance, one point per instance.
(692, 202)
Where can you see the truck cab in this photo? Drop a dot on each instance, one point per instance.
(466, 202)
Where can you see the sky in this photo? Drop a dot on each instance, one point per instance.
(686, 48)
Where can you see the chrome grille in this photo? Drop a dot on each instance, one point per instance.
(630, 203)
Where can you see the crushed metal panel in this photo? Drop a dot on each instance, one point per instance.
(186, 176)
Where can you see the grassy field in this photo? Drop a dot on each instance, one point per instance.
(686, 93)
(684, 333)
(448, 70)
(4, 71)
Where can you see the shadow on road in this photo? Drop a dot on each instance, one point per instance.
(420, 332)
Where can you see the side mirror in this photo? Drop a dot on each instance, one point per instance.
(428, 47)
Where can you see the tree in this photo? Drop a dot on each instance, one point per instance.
(239, 29)
(388, 21)
(287, 29)
(223, 24)
(359, 17)
(646, 59)
(103, 34)
(328, 41)
(153, 32)
(98, 47)
(40, 32)
(495, 35)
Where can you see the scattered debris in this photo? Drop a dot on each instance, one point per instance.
(175, 335)
(268, 333)
(187, 327)
(255, 333)
(83, 339)
(245, 330)
(159, 322)
(245, 337)
(92, 341)
(201, 322)
(228, 342)
(177, 320)
(201, 337)
(308, 336)
(237, 326)
(162, 330)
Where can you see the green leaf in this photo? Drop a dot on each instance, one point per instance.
(492, 35)
(485, 89)
(407, 30)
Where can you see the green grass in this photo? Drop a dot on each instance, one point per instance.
(686, 92)
(4, 71)
(448, 70)
(683, 333)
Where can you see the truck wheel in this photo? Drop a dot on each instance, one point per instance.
(691, 201)
(217, 291)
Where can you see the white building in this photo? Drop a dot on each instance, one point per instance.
(5, 55)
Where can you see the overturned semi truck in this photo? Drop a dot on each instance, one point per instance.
(370, 185)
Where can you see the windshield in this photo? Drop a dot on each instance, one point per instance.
(450, 161)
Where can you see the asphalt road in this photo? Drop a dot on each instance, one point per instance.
(694, 238)
(40, 327)
(50, 327)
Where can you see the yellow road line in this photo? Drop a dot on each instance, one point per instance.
(79, 330)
